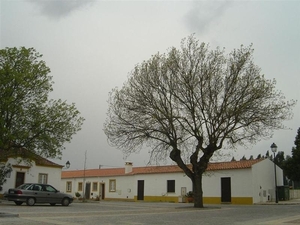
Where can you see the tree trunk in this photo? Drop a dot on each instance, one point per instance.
(197, 190)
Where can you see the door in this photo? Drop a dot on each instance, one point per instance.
(226, 189)
(38, 193)
(101, 191)
(87, 190)
(140, 189)
(52, 195)
(20, 177)
(183, 191)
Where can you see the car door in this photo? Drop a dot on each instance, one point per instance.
(37, 193)
(52, 194)
(47, 194)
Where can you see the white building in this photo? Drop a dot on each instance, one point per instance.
(34, 169)
(236, 182)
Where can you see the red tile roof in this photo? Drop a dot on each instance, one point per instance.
(40, 161)
(244, 164)
(27, 155)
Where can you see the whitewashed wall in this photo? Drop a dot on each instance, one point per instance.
(263, 177)
(32, 174)
(156, 184)
(250, 182)
(240, 182)
(124, 186)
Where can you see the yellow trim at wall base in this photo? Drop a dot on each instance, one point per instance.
(234, 200)
(242, 200)
(211, 200)
(159, 199)
(119, 199)
(206, 200)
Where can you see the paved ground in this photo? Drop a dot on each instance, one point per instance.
(142, 213)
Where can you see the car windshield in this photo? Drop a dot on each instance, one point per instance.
(24, 186)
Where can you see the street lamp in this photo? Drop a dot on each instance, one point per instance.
(274, 149)
(68, 164)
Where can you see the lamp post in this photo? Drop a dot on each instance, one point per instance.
(274, 149)
(68, 164)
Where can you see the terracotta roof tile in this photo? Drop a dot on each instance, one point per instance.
(155, 169)
(93, 173)
(28, 155)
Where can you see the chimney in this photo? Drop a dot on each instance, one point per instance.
(128, 167)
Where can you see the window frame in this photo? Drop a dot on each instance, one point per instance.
(170, 186)
(112, 185)
(80, 186)
(95, 186)
(43, 178)
(69, 186)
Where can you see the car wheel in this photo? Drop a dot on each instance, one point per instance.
(30, 201)
(18, 203)
(65, 202)
(52, 204)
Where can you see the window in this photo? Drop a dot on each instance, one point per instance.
(8, 174)
(43, 178)
(69, 186)
(170, 186)
(112, 185)
(36, 187)
(80, 186)
(95, 186)
(49, 188)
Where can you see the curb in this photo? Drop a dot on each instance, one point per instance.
(8, 215)
(280, 203)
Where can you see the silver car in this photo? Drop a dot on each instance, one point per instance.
(38, 193)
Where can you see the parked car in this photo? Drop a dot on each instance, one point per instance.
(32, 193)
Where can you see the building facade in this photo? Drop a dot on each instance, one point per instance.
(32, 169)
(236, 182)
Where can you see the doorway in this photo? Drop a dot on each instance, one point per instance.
(102, 191)
(20, 177)
(140, 190)
(226, 189)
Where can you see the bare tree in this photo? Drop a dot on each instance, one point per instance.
(193, 102)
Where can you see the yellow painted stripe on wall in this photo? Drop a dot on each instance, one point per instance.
(161, 199)
(242, 200)
(206, 200)
(211, 200)
(234, 200)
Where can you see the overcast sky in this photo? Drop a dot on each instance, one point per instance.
(91, 46)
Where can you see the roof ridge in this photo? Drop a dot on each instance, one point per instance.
(120, 171)
(27, 155)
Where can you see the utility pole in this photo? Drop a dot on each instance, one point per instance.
(84, 167)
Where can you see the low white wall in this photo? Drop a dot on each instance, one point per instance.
(294, 193)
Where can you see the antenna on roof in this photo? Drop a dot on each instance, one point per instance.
(101, 165)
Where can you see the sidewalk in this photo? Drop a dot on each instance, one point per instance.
(288, 202)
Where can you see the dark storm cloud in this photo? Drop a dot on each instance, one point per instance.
(204, 13)
(60, 8)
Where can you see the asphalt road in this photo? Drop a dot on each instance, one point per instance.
(143, 213)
